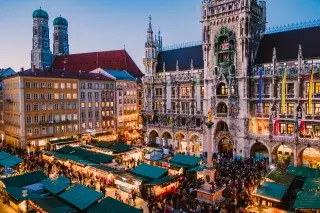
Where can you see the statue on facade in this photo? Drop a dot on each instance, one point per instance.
(210, 118)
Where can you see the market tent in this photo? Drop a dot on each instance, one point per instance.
(80, 196)
(303, 172)
(105, 168)
(10, 161)
(111, 205)
(56, 186)
(75, 159)
(307, 200)
(100, 158)
(24, 180)
(149, 171)
(52, 205)
(280, 177)
(271, 191)
(4, 155)
(116, 148)
(311, 184)
(17, 192)
(163, 180)
(197, 168)
(63, 141)
(187, 160)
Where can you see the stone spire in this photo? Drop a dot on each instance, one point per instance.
(150, 32)
(191, 64)
(300, 58)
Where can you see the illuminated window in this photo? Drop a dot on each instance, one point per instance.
(74, 96)
(62, 86)
(185, 92)
(74, 86)
(291, 108)
(97, 124)
(89, 104)
(97, 104)
(56, 96)
(57, 129)
(36, 131)
(83, 125)
(68, 95)
(283, 128)
(266, 108)
(68, 85)
(103, 104)
(290, 128)
(90, 125)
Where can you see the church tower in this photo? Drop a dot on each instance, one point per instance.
(60, 36)
(152, 47)
(231, 33)
(41, 56)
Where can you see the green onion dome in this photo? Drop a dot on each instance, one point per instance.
(60, 21)
(40, 14)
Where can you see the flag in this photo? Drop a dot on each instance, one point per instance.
(310, 93)
(260, 90)
(283, 91)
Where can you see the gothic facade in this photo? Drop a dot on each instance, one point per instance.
(236, 73)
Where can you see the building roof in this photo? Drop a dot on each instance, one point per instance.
(24, 180)
(114, 60)
(183, 56)
(303, 172)
(56, 73)
(281, 177)
(311, 184)
(307, 200)
(55, 186)
(287, 45)
(186, 160)
(6, 72)
(149, 171)
(111, 205)
(271, 191)
(60, 21)
(39, 13)
(121, 75)
(80, 196)
(53, 205)
(4, 155)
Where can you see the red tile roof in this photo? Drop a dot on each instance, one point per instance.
(114, 59)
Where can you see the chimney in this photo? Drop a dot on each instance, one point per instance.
(22, 69)
(33, 68)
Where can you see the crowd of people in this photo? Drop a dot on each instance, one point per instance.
(237, 177)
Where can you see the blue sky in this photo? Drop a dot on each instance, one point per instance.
(98, 25)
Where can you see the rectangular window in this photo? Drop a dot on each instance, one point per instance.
(56, 106)
(317, 109)
(96, 86)
(36, 107)
(89, 85)
(68, 85)
(283, 128)
(83, 85)
(83, 125)
(43, 118)
(62, 96)
(89, 104)
(56, 85)
(96, 95)
(43, 106)
(90, 114)
(89, 95)
(83, 95)
(290, 128)
(97, 124)
(62, 86)
(74, 95)
(75, 116)
(97, 104)
(50, 117)
(290, 88)
(290, 108)
(49, 96)
(74, 86)
(35, 96)
(36, 119)
(96, 113)
(317, 87)
(28, 120)
(42, 96)
(28, 107)
(43, 85)
(56, 96)
(35, 84)
(90, 125)
(36, 131)
(28, 84)
(68, 95)
(50, 85)
(28, 96)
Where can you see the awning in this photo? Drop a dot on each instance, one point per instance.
(4, 155)
(55, 186)
(271, 191)
(281, 177)
(303, 172)
(186, 160)
(17, 192)
(197, 168)
(52, 205)
(311, 184)
(24, 180)
(162, 180)
(149, 171)
(10, 161)
(111, 205)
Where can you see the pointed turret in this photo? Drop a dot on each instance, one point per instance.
(150, 40)
(300, 57)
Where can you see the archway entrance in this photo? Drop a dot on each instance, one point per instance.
(259, 152)
(283, 154)
(153, 138)
(195, 144)
(166, 139)
(310, 157)
(181, 144)
(225, 146)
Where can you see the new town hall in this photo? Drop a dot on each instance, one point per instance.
(235, 75)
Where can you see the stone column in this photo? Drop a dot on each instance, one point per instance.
(209, 146)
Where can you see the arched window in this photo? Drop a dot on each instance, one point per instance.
(222, 108)
(222, 89)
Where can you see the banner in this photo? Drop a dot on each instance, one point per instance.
(276, 127)
(302, 127)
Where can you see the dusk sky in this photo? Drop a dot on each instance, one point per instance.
(98, 25)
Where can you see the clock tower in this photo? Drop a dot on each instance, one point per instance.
(41, 56)
(60, 36)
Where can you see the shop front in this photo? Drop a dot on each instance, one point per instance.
(163, 187)
(129, 183)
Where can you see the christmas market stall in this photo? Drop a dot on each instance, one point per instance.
(18, 189)
(80, 197)
(271, 194)
(184, 162)
(56, 185)
(111, 205)
(130, 183)
(104, 136)
(156, 157)
(307, 202)
(50, 205)
(59, 143)
(8, 163)
(159, 184)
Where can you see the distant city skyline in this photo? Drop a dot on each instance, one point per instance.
(109, 25)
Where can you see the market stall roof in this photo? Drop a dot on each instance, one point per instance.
(311, 184)
(116, 148)
(73, 158)
(197, 168)
(63, 141)
(10, 161)
(56, 186)
(303, 172)
(281, 177)
(272, 191)
(4, 155)
(111, 205)
(80, 196)
(177, 165)
(24, 180)
(307, 200)
(17, 192)
(105, 168)
(186, 160)
(162, 180)
(53, 205)
(100, 158)
(149, 171)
